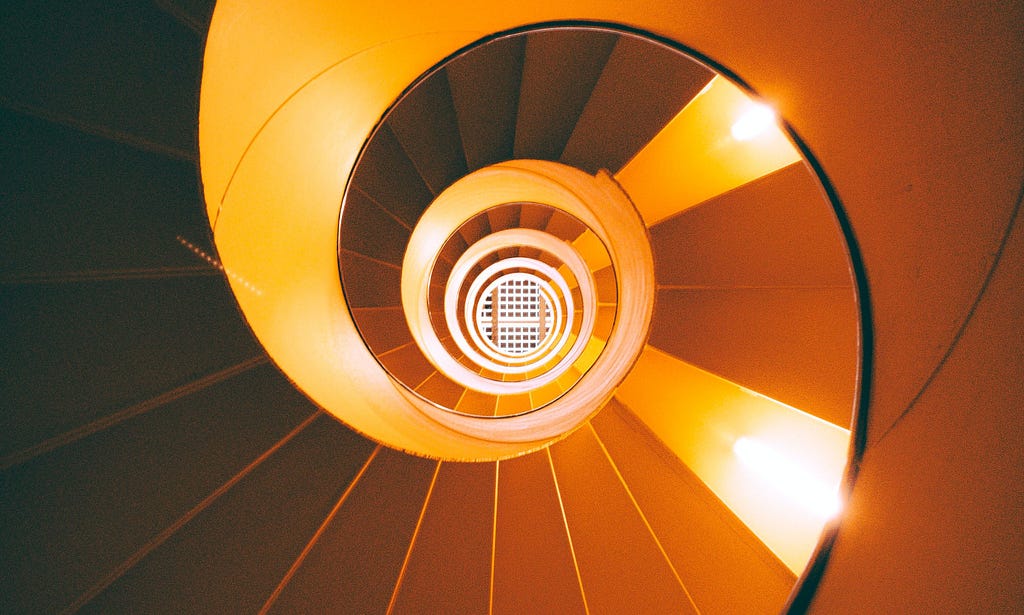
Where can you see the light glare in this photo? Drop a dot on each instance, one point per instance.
(753, 122)
(787, 477)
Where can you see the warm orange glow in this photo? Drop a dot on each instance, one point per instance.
(697, 156)
(620, 238)
(281, 235)
(258, 55)
(702, 418)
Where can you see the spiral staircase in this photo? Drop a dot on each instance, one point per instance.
(158, 455)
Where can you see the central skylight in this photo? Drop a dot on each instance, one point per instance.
(514, 316)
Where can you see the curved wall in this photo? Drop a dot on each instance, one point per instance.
(915, 114)
(914, 110)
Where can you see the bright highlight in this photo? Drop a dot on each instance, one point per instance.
(786, 476)
(708, 149)
(754, 122)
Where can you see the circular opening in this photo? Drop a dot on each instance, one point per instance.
(517, 313)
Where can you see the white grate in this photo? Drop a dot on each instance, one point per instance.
(513, 317)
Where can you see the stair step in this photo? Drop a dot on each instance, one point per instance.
(559, 72)
(355, 565)
(259, 526)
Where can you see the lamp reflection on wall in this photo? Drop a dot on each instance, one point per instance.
(788, 478)
(754, 121)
